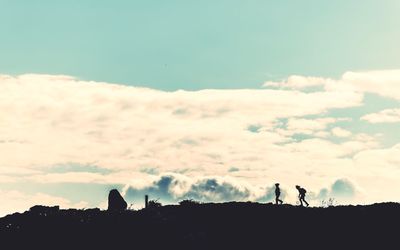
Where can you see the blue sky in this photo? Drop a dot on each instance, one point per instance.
(211, 100)
(198, 44)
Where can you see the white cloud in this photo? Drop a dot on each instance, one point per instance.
(60, 119)
(385, 161)
(385, 83)
(139, 134)
(15, 201)
(308, 126)
(342, 191)
(384, 116)
(340, 132)
(297, 82)
(175, 187)
(172, 188)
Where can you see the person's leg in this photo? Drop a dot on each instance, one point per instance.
(304, 199)
(301, 202)
(277, 200)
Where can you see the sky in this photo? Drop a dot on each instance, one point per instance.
(210, 100)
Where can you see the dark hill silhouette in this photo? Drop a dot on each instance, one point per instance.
(234, 225)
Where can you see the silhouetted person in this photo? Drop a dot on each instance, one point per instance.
(277, 194)
(302, 195)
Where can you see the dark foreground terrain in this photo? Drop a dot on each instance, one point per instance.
(206, 226)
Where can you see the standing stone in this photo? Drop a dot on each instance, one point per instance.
(115, 201)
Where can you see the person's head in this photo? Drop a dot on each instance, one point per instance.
(277, 184)
(297, 187)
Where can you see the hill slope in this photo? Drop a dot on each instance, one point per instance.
(206, 226)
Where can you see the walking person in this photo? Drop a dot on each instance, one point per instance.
(302, 195)
(277, 194)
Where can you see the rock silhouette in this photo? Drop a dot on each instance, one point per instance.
(116, 202)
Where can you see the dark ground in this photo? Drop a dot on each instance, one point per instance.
(206, 226)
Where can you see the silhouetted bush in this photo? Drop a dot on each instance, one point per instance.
(188, 202)
(44, 210)
(154, 204)
(130, 207)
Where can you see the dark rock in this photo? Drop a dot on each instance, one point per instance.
(115, 201)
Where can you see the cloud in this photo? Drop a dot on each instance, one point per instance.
(380, 161)
(308, 126)
(340, 132)
(215, 189)
(172, 188)
(16, 201)
(384, 116)
(119, 177)
(384, 83)
(61, 119)
(343, 188)
(297, 82)
(342, 191)
(175, 187)
(217, 144)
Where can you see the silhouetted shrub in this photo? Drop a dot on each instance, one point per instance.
(154, 204)
(44, 210)
(188, 202)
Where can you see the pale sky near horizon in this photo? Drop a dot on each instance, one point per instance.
(210, 100)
